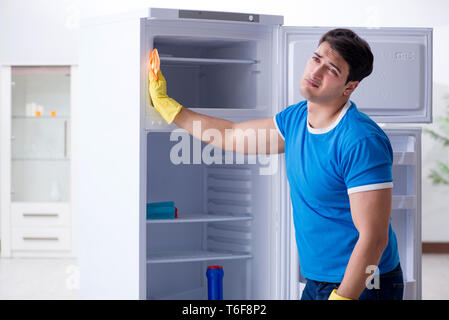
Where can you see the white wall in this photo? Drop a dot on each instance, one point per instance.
(45, 32)
(38, 32)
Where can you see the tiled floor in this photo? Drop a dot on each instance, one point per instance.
(39, 279)
(59, 279)
(435, 277)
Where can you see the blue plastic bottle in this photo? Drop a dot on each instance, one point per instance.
(214, 276)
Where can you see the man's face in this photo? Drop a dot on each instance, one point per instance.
(324, 78)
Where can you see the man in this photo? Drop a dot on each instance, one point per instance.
(339, 169)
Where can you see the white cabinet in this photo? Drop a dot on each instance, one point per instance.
(29, 214)
(37, 218)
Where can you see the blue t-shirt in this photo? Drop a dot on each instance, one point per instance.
(324, 166)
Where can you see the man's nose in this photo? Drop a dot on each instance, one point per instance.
(317, 72)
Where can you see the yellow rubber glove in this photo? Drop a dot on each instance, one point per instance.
(167, 107)
(335, 296)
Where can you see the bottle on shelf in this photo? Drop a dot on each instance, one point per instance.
(33, 109)
(215, 282)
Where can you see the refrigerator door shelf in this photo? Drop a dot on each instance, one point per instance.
(404, 202)
(406, 206)
(403, 224)
(410, 290)
(400, 86)
(404, 158)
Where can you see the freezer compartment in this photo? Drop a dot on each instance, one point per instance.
(224, 215)
(211, 73)
(219, 69)
(182, 50)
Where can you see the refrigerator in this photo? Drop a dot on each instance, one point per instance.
(234, 210)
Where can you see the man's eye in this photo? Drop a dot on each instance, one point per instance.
(314, 58)
(333, 71)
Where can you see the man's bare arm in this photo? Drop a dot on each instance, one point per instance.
(249, 137)
(370, 212)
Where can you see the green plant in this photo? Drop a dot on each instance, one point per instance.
(441, 174)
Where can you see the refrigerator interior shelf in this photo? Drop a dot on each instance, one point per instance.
(404, 158)
(202, 218)
(199, 61)
(199, 293)
(228, 110)
(191, 256)
(40, 159)
(222, 110)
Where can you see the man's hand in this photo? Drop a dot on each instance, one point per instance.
(167, 107)
(334, 296)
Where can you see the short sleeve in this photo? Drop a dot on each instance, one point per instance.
(286, 120)
(367, 164)
(278, 123)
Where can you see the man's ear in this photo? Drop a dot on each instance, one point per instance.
(350, 87)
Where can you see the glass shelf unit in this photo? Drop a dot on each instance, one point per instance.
(40, 134)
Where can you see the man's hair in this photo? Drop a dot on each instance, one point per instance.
(353, 49)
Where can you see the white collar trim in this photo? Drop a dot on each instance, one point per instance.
(333, 125)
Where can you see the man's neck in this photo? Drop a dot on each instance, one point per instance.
(322, 116)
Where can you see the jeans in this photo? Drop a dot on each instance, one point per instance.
(391, 287)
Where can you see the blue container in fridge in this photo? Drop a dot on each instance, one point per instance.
(214, 276)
